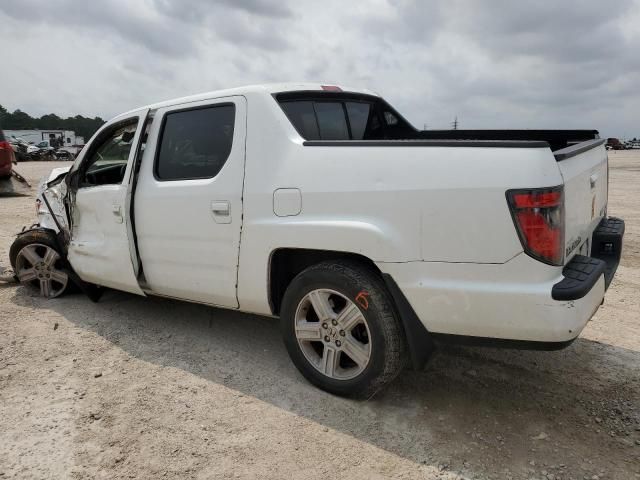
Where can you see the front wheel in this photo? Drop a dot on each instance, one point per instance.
(341, 329)
(37, 262)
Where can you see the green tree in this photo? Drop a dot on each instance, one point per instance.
(19, 120)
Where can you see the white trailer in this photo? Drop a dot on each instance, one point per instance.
(63, 139)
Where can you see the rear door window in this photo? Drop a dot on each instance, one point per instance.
(195, 143)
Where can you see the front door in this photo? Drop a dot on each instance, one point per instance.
(188, 201)
(101, 249)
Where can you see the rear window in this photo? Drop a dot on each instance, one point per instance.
(195, 143)
(358, 114)
(303, 117)
(332, 122)
(319, 119)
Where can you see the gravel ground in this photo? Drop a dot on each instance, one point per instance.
(136, 387)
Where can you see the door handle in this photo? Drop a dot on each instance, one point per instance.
(593, 179)
(117, 212)
(221, 211)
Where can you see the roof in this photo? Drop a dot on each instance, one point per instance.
(267, 88)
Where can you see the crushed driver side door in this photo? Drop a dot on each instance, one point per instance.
(101, 249)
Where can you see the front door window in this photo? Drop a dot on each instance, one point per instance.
(107, 163)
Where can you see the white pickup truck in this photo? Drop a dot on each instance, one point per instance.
(322, 205)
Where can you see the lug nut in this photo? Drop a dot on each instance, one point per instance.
(334, 322)
(338, 343)
(324, 325)
(326, 338)
(342, 333)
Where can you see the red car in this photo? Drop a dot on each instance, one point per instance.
(6, 157)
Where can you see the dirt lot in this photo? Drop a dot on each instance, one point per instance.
(148, 388)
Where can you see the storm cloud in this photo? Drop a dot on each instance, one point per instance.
(499, 63)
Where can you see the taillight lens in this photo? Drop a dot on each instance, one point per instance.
(538, 214)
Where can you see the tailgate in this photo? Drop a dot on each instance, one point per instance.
(585, 174)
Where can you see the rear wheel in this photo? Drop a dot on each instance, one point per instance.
(341, 329)
(37, 262)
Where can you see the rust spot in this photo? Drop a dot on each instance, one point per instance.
(362, 299)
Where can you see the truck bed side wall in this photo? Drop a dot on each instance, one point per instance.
(390, 204)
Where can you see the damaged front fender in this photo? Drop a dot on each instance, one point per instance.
(50, 206)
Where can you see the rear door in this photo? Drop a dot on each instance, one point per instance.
(101, 249)
(188, 201)
(585, 193)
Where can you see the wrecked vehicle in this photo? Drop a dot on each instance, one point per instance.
(11, 182)
(371, 240)
(7, 157)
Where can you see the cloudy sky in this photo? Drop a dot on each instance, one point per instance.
(493, 63)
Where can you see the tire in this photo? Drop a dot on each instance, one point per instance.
(353, 293)
(28, 257)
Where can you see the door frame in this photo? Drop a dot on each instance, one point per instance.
(148, 171)
(142, 115)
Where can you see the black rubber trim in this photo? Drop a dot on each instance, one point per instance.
(428, 143)
(551, 136)
(419, 340)
(499, 342)
(580, 275)
(577, 149)
(606, 244)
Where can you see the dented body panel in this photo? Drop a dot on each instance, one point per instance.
(100, 248)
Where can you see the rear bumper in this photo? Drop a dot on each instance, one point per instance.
(582, 273)
(515, 302)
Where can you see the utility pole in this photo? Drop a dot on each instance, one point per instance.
(454, 124)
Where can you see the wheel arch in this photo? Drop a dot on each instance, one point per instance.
(286, 263)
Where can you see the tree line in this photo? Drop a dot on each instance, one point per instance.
(19, 120)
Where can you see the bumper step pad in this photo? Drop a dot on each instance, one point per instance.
(582, 273)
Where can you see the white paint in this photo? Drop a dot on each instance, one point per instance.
(100, 247)
(435, 218)
(582, 202)
(287, 202)
(510, 300)
(187, 249)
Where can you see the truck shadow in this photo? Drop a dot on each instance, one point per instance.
(469, 408)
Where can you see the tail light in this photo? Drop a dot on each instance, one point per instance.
(539, 218)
